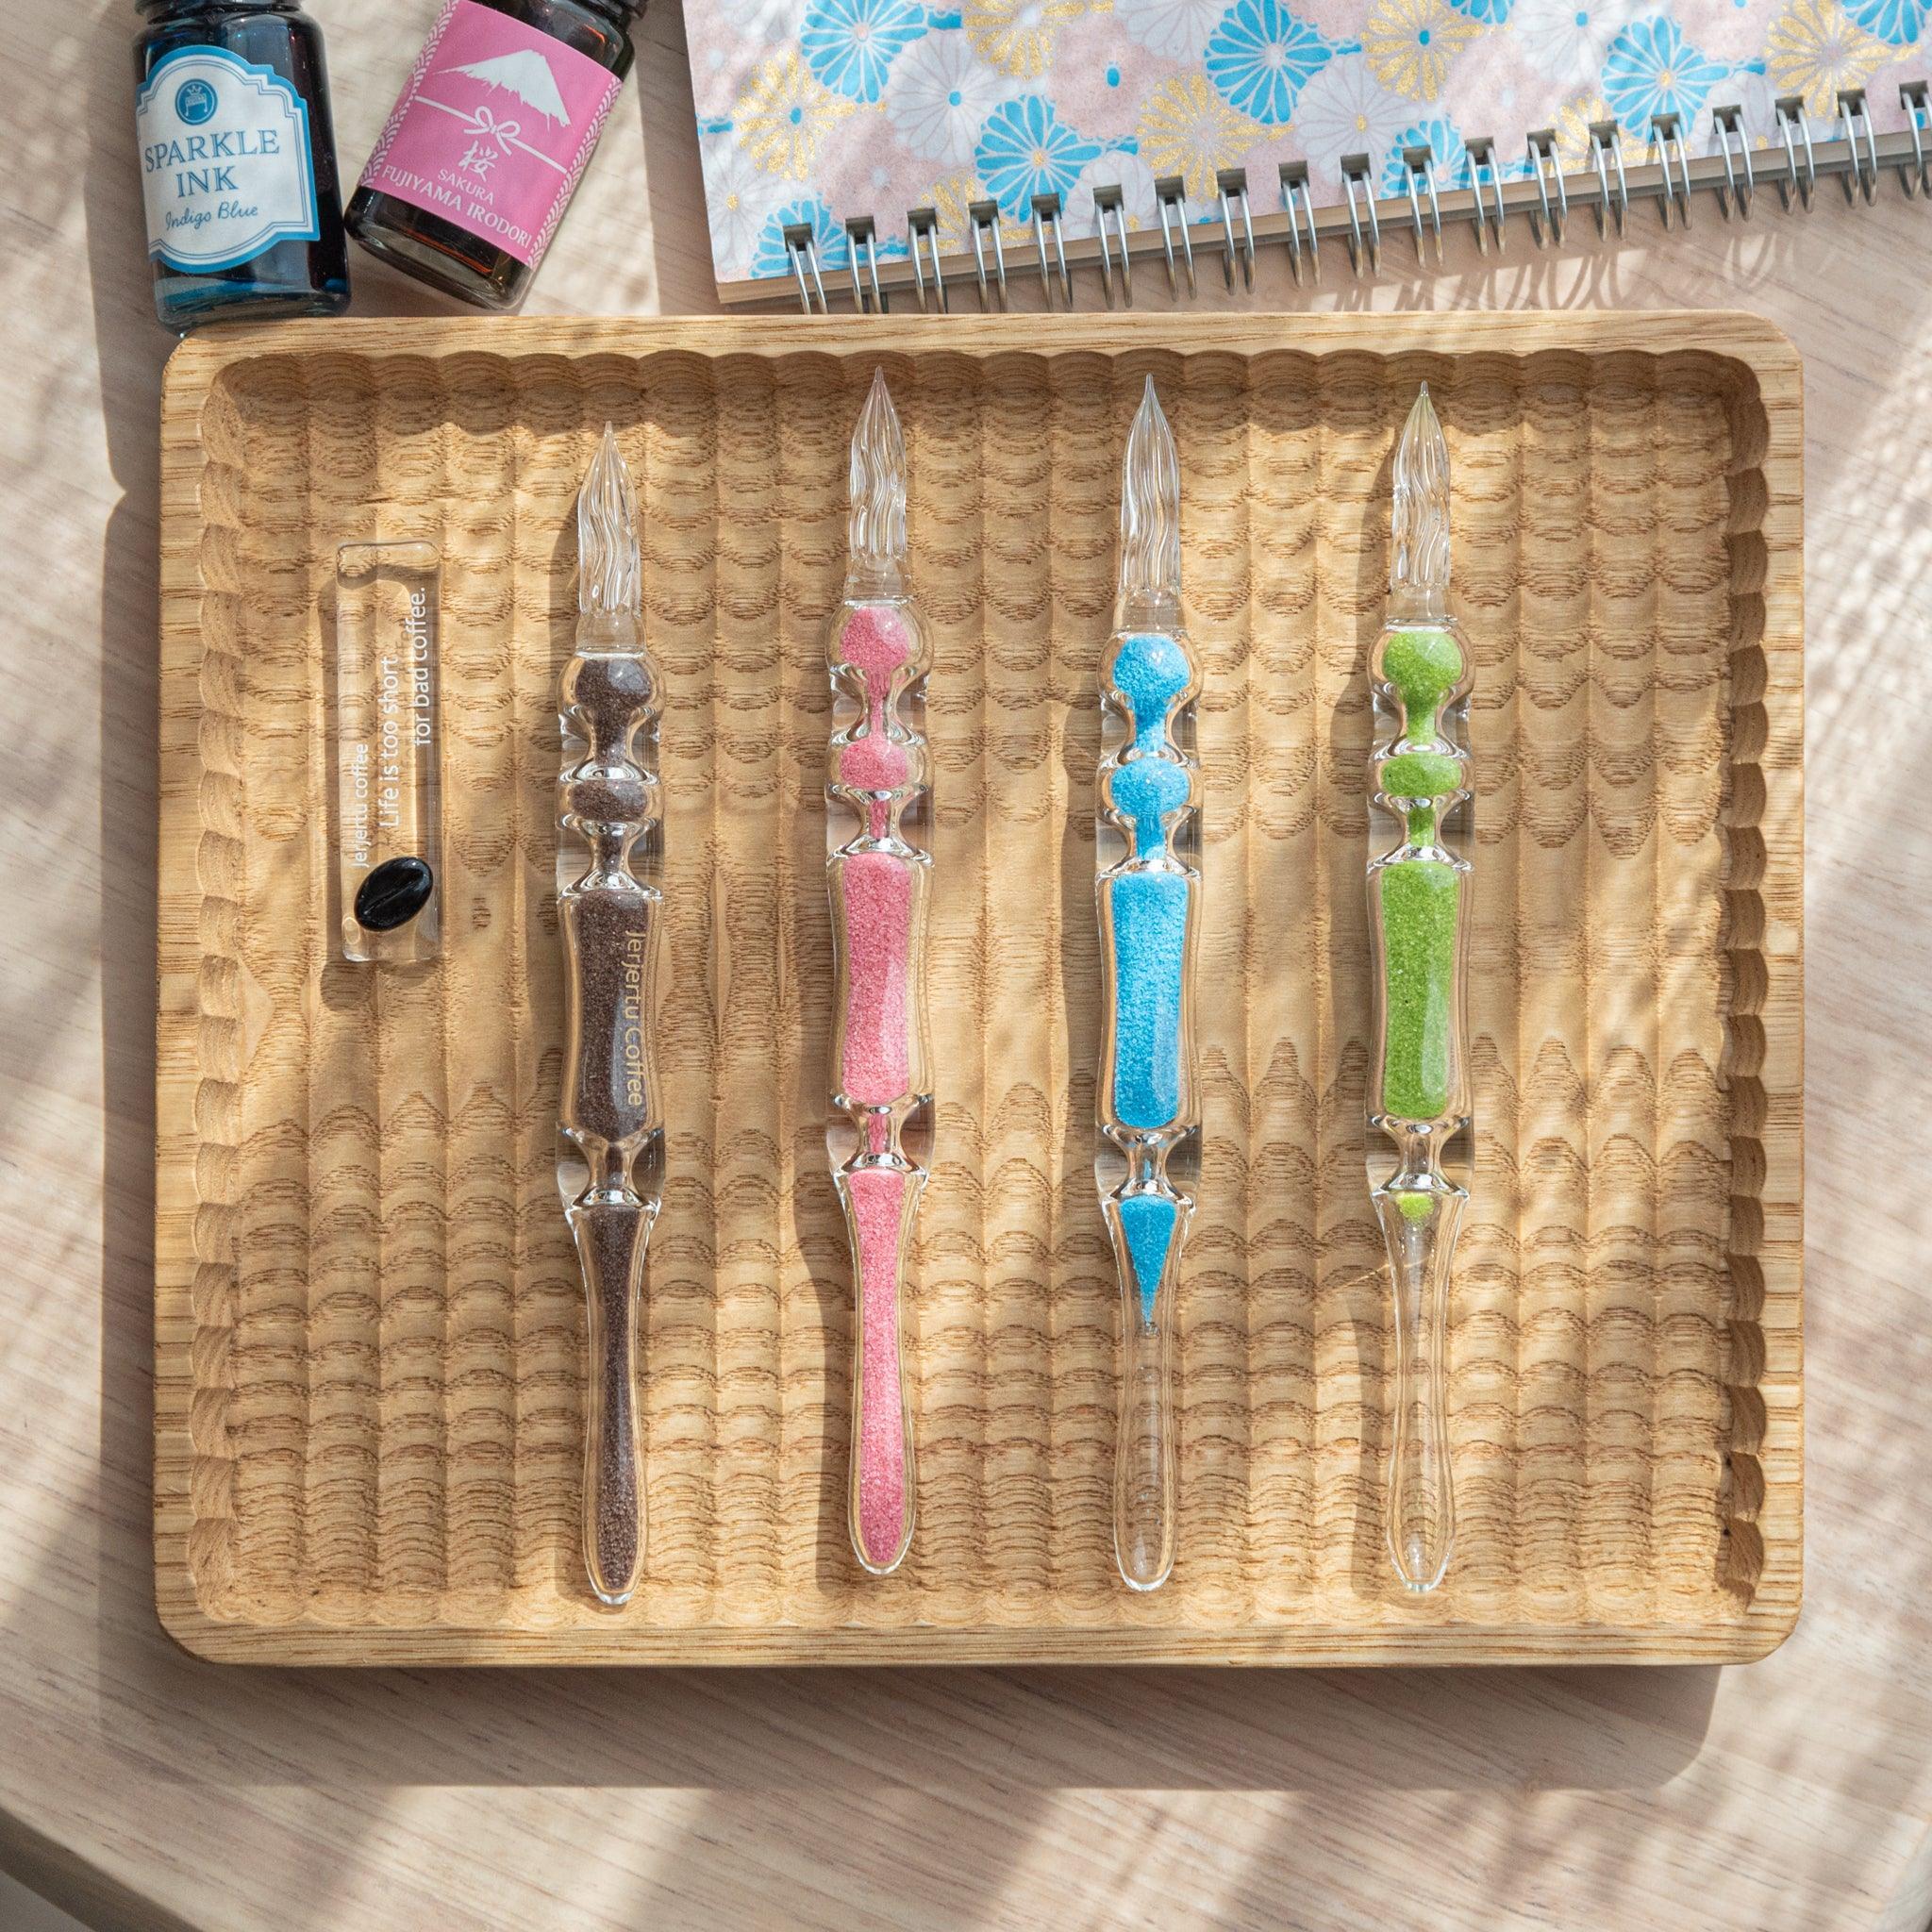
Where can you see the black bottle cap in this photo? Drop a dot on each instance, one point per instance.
(233, 6)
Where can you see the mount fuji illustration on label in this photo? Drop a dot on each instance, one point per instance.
(495, 129)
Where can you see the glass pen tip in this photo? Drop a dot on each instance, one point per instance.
(1419, 553)
(877, 481)
(1150, 505)
(609, 567)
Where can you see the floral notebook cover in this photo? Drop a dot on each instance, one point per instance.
(814, 110)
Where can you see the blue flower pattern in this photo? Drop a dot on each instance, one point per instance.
(771, 257)
(1260, 57)
(1257, 59)
(1898, 22)
(1449, 157)
(851, 44)
(1026, 149)
(1651, 69)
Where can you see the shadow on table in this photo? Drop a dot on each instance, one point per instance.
(1451, 1730)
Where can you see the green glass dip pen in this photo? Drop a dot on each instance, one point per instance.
(1419, 1129)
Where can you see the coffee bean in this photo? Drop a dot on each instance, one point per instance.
(393, 894)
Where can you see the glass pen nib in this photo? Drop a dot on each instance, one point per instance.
(1419, 553)
(610, 564)
(876, 532)
(1150, 578)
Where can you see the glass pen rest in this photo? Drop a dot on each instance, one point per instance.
(387, 820)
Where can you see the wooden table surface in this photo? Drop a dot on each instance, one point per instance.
(145, 1790)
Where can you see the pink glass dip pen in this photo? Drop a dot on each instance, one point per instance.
(880, 1132)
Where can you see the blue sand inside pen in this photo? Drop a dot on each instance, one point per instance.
(1150, 671)
(1150, 932)
(1144, 791)
(1148, 1223)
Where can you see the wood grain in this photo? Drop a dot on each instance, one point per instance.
(369, 1330)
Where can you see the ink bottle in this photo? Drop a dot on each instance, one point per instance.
(485, 148)
(237, 159)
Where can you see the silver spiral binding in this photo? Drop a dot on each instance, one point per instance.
(1740, 182)
(983, 219)
(1361, 247)
(1547, 219)
(863, 241)
(1912, 97)
(1046, 214)
(923, 227)
(1673, 188)
(1303, 242)
(1487, 213)
(1489, 196)
(1109, 200)
(1232, 186)
(1613, 204)
(1856, 130)
(802, 250)
(1171, 202)
(1419, 166)
(1798, 179)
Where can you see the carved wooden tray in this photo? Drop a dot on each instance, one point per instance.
(368, 1313)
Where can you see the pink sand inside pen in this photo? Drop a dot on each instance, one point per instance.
(876, 889)
(878, 1196)
(875, 643)
(875, 763)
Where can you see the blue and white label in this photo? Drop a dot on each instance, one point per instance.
(224, 160)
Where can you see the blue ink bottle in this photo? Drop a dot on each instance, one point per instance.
(238, 160)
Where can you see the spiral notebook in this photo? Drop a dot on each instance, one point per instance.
(854, 148)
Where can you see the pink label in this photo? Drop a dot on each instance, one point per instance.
(495, 129)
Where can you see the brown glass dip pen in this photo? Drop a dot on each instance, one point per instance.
(611, 1167)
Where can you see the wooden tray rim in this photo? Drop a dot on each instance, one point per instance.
(201, 362)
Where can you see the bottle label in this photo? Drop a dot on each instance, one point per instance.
(495, 129)
(226, 165)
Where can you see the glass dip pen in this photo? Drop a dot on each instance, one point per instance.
(1419, 888)
(878, 800)
(1147, 1161)
(611, 1171)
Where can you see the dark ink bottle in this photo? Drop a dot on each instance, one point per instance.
(238, 159)
(485, 148)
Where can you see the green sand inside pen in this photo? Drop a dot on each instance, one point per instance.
(1420, 778)
(1424, 666)
(1420, 774)
(1421, 898)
